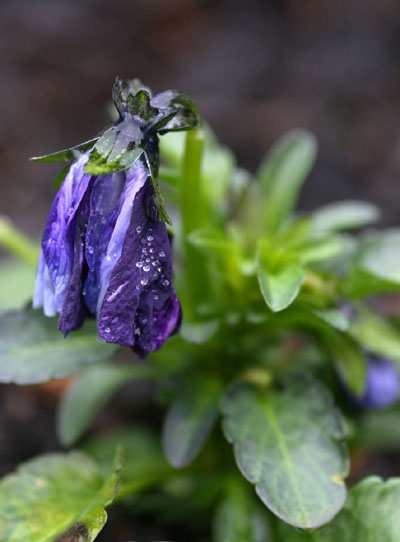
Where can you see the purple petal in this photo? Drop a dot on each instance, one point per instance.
(58, 237)
(140, 307)
(104, 207)
(74, 309)
(44, 291)
(135, 179)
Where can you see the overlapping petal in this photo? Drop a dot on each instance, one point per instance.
(140, 291)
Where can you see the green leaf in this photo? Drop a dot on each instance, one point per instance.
(371, 514)
(32, 350)
(279, 283)
(344, 215)
(86, 396)
(66, 154)
(55, 495)
(282, 173)
(289, 442)
(239, 518)
(144, 463)
(376, 334)
(190, 420)
(16, 284)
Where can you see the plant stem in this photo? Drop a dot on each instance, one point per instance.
(192, 209)
(16, 243)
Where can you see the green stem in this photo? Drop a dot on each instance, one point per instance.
(16, 243)
(192, 209)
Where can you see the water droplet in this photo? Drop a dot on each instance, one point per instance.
(108, 258)
(147, 260)
(151, 250)
(143, 240)
(90, 250)
(159, 269)
(155, 297)
(107, 330)
(146, 268)
(144, 281)
(139, 264)
(165, 282)
(138, 229)
(161, 254)
(144, 321)
(150, 237)
(155, 262)
(144, 250)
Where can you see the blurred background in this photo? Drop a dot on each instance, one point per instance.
(255, 67)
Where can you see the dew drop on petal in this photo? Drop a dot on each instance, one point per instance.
(165, 282)
(138, 229)
(150, 237)
(107, 330)
(139, 264)
(144, 281)
(146, 268)
(161, 254)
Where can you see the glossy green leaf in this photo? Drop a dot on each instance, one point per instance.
(279, 283)
(16, 284)
(376, 334)
(66, 154)
(282, 173)
(289, 442)
(371, 514)
(238, 517)
(33, 350)
(144, 463)
(190, 420)
(53, 496)
(86, 396)
(344, 215)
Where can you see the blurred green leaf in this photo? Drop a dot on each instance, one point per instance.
(289, 442)
(371, 513)
(376, 334)
(282, 173)
(88, 394)
(238, 518)
(198, 332)
(16, 284)
(144, 463)
(33, 350)
(279, 282)
(56, 495)
(349, 360)
(344, 215)
(378, 431)
(190, 420)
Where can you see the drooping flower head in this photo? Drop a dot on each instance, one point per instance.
(105, 249)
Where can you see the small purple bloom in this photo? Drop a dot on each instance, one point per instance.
(105, 249)
(382, 387)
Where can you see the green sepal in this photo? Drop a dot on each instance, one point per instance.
(66, 154)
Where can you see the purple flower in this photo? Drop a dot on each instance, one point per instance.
(105, 249)
(382, 387)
